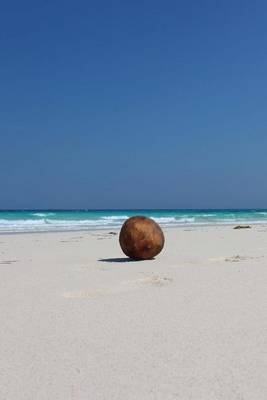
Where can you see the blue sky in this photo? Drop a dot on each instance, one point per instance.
(133, 104)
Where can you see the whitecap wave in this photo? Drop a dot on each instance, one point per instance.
(115, 217)
(163, 220)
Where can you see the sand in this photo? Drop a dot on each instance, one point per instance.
(77, 321)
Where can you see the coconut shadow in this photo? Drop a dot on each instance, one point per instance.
(119, 260)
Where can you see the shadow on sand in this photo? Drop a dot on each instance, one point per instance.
(118, 260)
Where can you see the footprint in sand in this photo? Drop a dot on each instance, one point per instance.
(8, 262)
(238, 258)
(154, 280)
(126, 286)
(216, 259)
(235, 258)
(102, 236)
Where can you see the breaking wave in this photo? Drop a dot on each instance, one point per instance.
(42, 221)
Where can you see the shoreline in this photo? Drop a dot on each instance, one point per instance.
(164, 228)
(24, 221)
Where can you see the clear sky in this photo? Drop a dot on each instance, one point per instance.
(133, 104)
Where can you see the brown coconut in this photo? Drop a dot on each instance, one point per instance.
(141, 238)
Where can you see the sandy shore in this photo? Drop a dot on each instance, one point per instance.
(78, 322)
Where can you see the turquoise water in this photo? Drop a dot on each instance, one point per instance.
(74, 220)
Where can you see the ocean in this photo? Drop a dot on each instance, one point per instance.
(76, 220)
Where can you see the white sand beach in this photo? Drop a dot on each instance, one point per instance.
(78, 322)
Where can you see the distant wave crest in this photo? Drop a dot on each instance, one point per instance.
(39, 214)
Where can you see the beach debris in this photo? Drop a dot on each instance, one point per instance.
(112, 233)
(237, 258)
(242, 227)
(141, 238)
